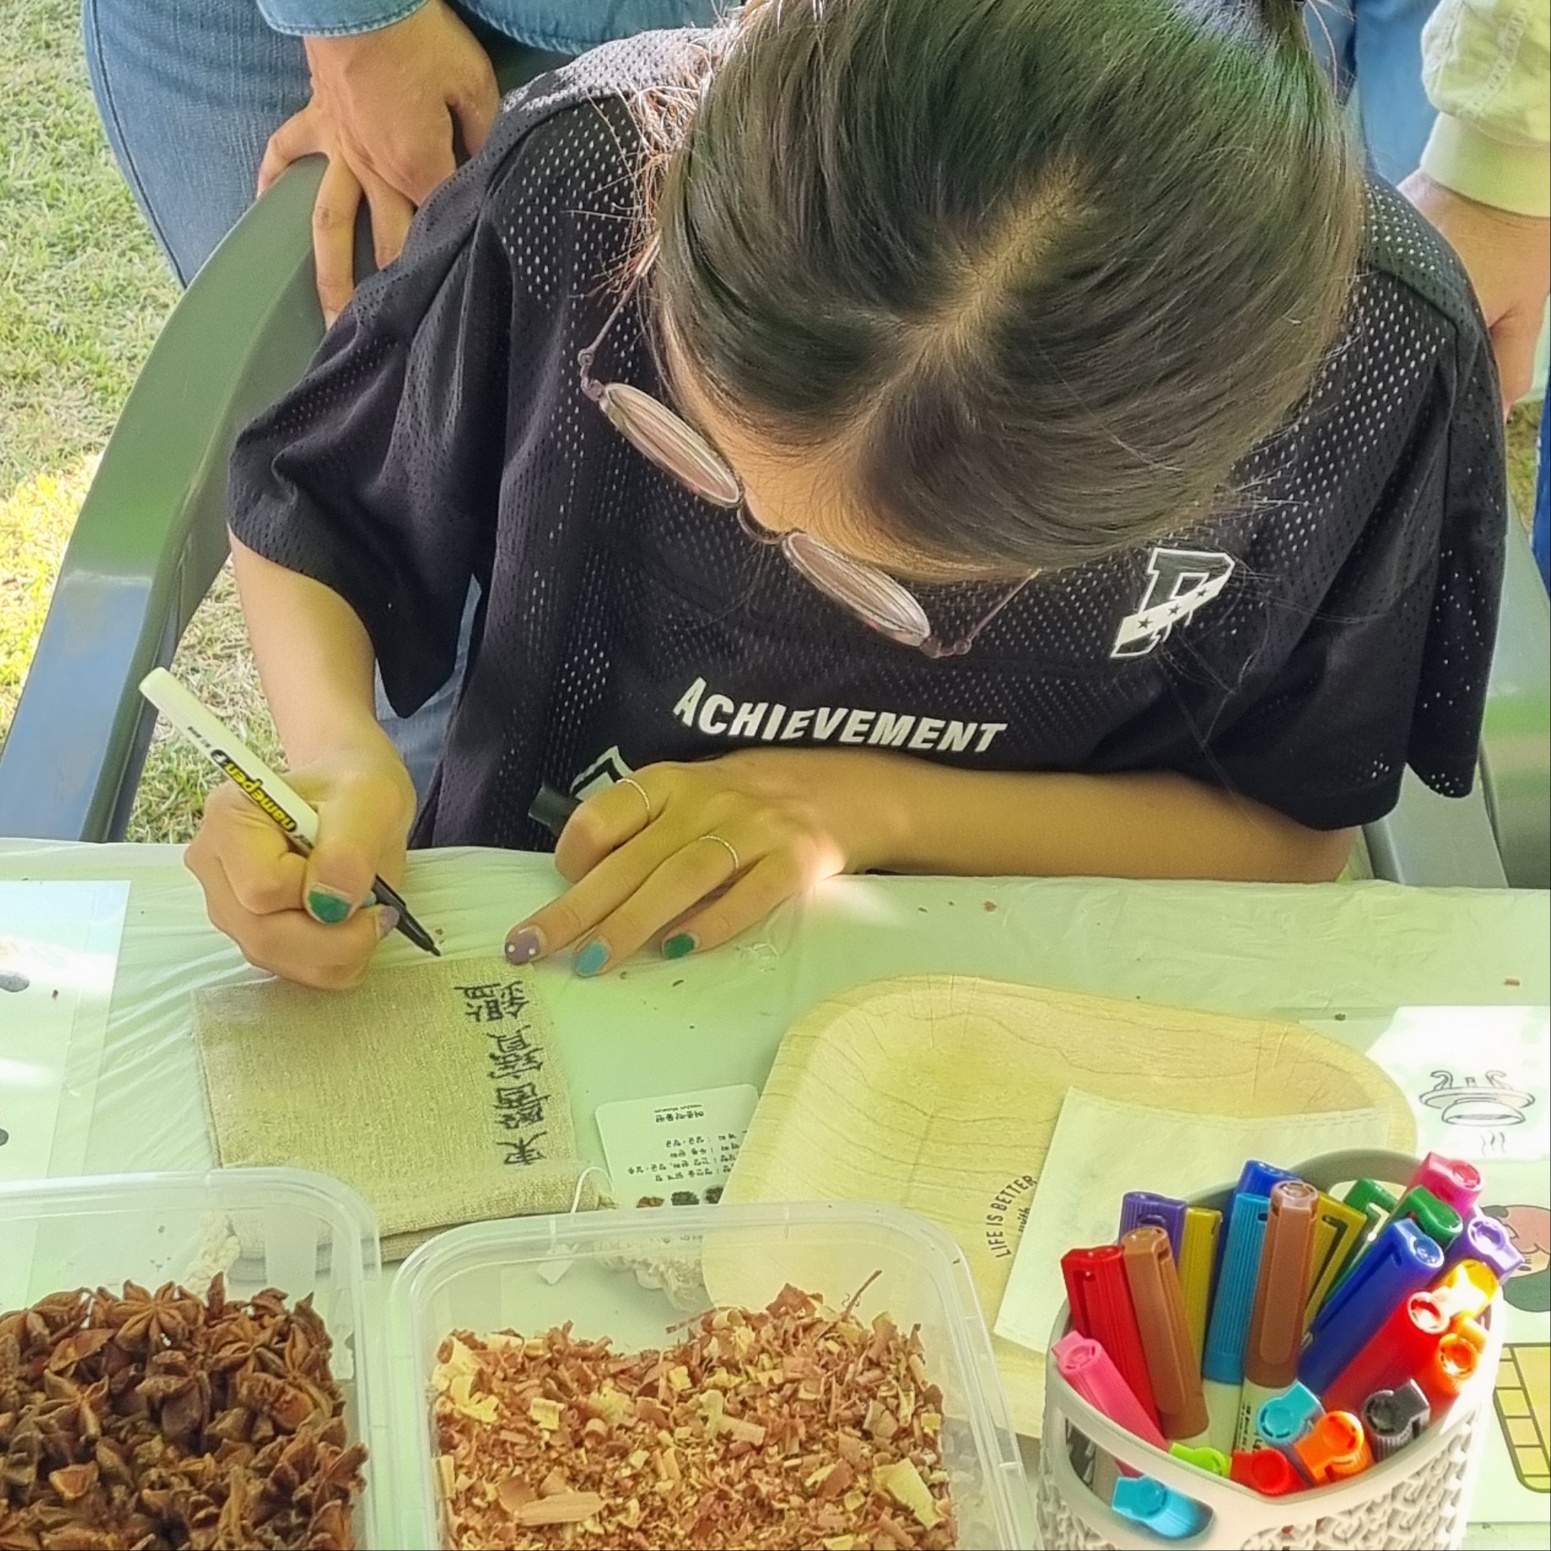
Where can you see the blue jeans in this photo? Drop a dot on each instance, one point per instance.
(1375, 46)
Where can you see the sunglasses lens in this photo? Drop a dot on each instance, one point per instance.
(889, 608)
(676, 448)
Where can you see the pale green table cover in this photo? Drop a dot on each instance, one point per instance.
(1342, 955)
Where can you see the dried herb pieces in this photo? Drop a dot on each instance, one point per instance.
(793, 1426)
(162, 1420)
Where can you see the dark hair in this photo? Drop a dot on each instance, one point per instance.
(1041, 271)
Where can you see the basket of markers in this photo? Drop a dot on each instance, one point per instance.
(1305, 1360)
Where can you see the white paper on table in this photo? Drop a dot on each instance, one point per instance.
(679, 1146)
(1102, 1148)
(1478, 1078)
(59, 944)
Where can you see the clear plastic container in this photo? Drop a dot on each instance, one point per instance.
(298, 1232)
(630, 1275)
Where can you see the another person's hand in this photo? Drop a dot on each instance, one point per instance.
(725, 841)
(1508, 258)
(302, 917)
(384, 108)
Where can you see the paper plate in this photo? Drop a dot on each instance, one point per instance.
(939, 1093)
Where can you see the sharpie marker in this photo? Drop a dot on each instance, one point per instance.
(1167, 1513)
(1392, 1418)
(1086, 1366)
(295, 818)
(1276, 1319)
(1449, 1179)
(1160, 1320)
(1336, 1448)
(1222, 1361)
(1403, 1261)
(1197, 1263)
(1142, 1209)
(1100, 1302)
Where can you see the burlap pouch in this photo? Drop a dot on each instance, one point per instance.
(434, 1090)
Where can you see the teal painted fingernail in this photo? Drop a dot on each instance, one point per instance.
(328, 905)
(678, 945)
(592, 958)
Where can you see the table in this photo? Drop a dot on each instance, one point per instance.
(1342, 956)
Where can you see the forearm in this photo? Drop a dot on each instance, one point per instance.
(314, 658)
(1134, 825)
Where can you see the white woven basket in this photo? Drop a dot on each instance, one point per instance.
(1419, 1497)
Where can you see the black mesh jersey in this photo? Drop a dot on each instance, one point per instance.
(1301, 651)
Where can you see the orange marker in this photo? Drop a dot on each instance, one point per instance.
(1453, 1363)
(1335, 1449)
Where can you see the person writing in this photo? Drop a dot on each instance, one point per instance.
(1042, 455)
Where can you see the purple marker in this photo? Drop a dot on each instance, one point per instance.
(1485, 1239)
(1142, 1209)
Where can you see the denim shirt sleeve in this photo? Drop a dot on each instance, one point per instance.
(565, 26)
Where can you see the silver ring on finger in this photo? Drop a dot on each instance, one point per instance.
(729, 848)
(640, 792)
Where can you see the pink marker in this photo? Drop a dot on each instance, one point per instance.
(1087, 1367)
(1451, 1180)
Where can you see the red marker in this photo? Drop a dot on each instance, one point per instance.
(1401, 1348)
(1101, 1308)
(1267, 1471)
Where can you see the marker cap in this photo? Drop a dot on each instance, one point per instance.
(1281, 1285)
(1393, 1417)
(1197, 1265)
(1401, 1346)
(1257, 1179)
(1466, 1289)
(1143, 1209)
(1286, 1418)
(1100, 1301)
(1164, 1511)
(1165, 1335)
(1453, 1362)
(1223, 1357)
(1485, 1239)
(1449, 1179)
(1213, 1461)
(1267, 1471)
(1437, 1219)
(1337, 1447)
(1087, 1367)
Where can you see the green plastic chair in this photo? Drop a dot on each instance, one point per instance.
(152, 536)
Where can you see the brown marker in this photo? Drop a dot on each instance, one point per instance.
(1165, 1329)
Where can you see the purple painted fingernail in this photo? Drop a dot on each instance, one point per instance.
(387, 921)
(524, 944)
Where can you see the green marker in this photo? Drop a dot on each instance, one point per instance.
(1437, 1219)
(1376, 1204)
(1213, 1461)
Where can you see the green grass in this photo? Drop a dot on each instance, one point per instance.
(83, 291)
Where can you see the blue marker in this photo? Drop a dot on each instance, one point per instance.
(1403, 1260)
(1256, 1179)
(1222, 1359)
(1286, 1418)
(1142, 1209)
(1161, 1509)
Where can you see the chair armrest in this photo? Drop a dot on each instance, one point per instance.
(152, 531)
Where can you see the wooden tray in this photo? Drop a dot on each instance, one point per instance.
(940, 1093)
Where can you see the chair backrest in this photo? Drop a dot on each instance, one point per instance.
(151, 534)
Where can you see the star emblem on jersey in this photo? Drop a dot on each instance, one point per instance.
(1179, 581)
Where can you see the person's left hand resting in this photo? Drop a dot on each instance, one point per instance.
(761, 824)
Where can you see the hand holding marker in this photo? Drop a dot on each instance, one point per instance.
(263, 788)
(1394, 1327)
